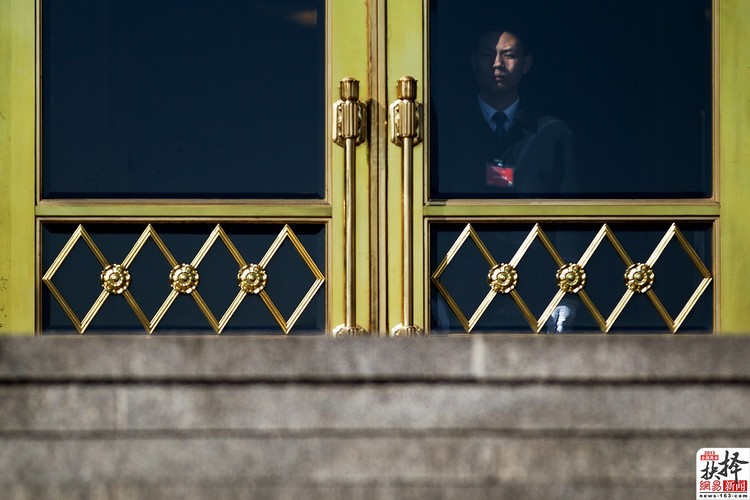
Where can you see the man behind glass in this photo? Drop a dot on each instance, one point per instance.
(499, 146)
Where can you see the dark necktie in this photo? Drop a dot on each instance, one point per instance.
(499, 120)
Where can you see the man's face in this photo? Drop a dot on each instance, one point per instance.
(499, 63)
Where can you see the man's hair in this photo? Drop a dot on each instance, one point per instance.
(515, 28)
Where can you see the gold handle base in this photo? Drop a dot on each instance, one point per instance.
(349, 331)
(403, 331)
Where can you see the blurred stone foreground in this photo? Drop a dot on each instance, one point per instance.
(517, 417)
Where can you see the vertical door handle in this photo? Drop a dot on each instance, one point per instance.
(349, 119)
(405, 130)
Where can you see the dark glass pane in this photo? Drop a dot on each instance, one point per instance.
(676, 277)
(616, 100)
(78, 278)
(175, 99)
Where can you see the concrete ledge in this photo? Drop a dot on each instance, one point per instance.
(299, 408)
(355, 459)
(396, 467)
(626, 358)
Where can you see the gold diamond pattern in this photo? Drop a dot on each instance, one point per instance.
(286, 324)
(470, 233)
(184, 279)
(571, 278)
(673, 324)
(116, 278)
(82, 324)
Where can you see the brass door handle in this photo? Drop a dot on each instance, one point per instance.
(405, 130)
(349, 123)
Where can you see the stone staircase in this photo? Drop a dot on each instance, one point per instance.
(490, 416)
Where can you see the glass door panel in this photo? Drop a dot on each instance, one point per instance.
(183, 99)
(615, 99)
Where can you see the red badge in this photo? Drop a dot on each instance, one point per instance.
(499, 175)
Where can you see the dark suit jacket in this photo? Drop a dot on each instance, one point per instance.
(540, 149)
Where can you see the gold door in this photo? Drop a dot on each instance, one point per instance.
(215, 253)
(171, 167)
(648, 249)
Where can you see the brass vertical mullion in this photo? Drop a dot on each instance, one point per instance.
(378, 144)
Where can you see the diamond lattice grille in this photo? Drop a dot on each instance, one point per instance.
(184, 279)
(571, 278)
